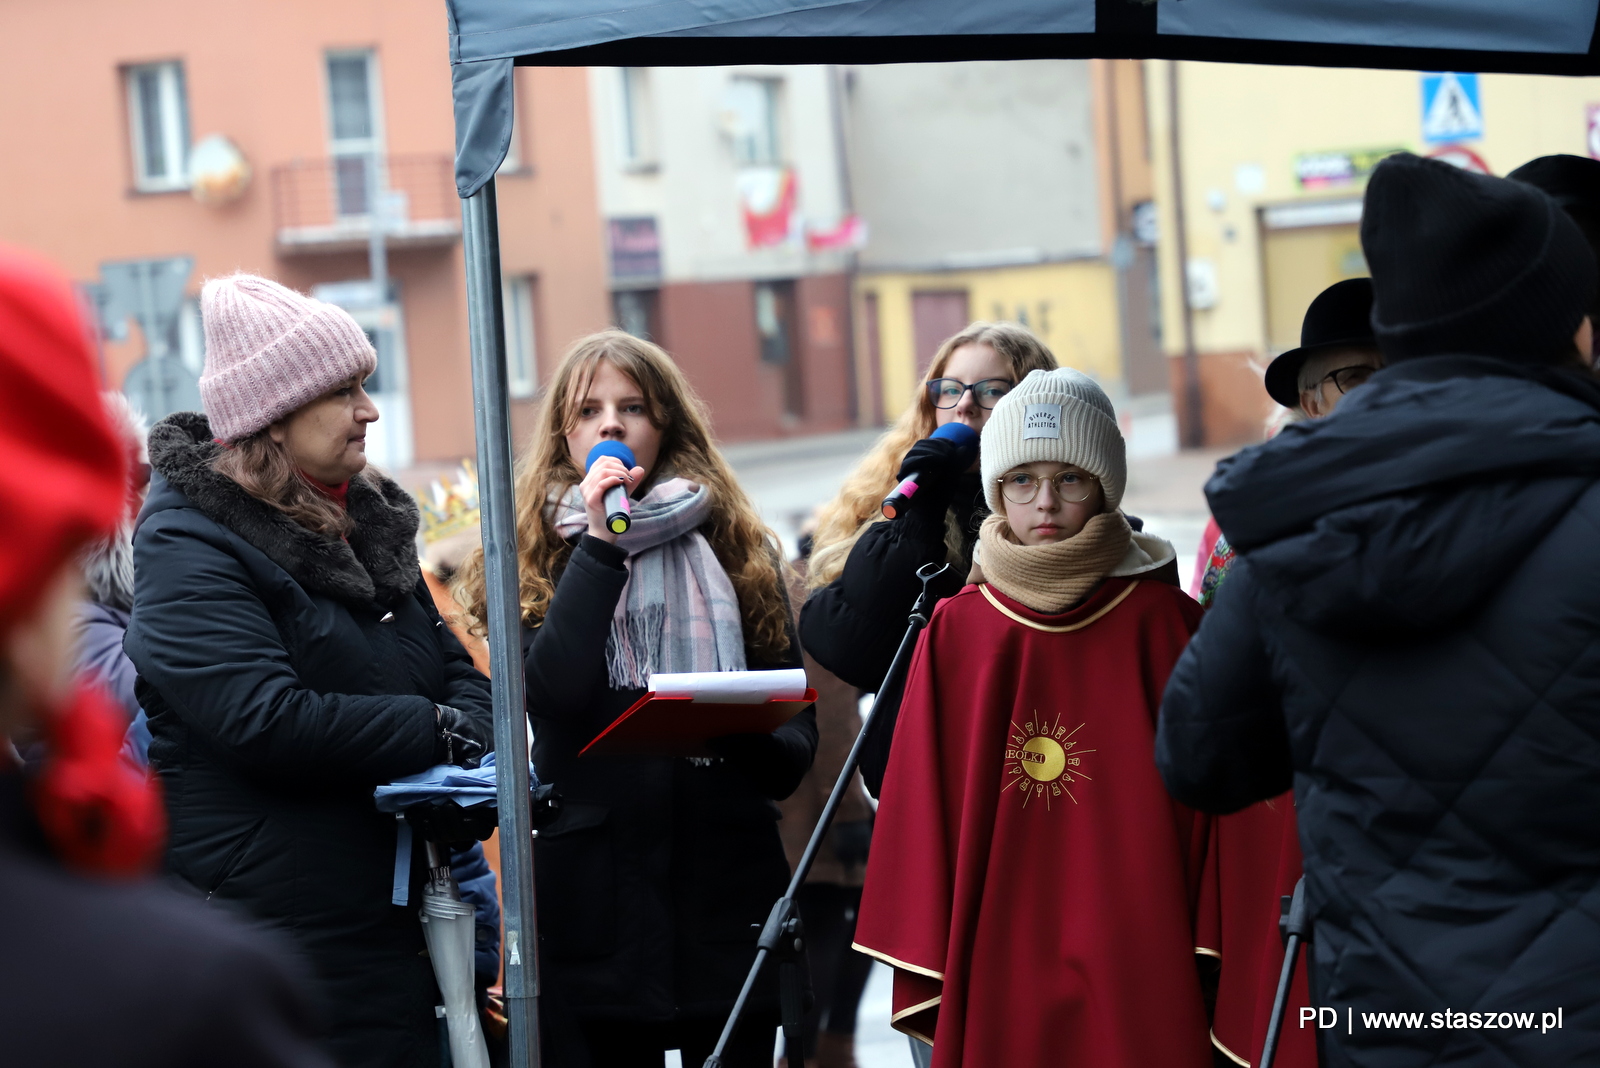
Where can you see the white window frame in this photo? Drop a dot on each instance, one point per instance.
(636, 130)
(373, 143)
(522, 346)
(173, 122)
(191, 336)
(746, 151)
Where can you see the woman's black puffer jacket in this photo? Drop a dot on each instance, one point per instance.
(286, 674)
(853, 625)
(657, 875)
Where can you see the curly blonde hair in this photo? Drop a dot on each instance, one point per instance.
(742, 543)
(848, 515)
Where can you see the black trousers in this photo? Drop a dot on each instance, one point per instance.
(644, 1045)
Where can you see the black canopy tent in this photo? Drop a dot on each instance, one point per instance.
(488, 38)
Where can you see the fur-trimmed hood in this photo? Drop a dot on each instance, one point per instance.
(377, 566)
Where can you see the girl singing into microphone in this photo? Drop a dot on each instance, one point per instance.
(658, 873)
(863, 569)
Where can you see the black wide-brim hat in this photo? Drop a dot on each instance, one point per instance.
(1340, 318)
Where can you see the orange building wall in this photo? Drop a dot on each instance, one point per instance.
(254, 73)
(550, 219)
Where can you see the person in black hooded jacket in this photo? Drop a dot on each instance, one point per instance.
(863, 570)
(291, 659)
(1408, 637)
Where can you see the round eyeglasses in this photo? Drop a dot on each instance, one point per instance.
(947, 392)
(1347, 378)
(1071, 487)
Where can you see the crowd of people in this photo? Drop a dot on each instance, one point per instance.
(1093, 791)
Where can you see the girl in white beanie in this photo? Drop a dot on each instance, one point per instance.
(1030, 880)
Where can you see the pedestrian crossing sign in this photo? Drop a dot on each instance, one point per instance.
(1450, 108)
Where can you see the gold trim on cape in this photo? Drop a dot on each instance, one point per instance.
(1226, 1052)
(894, 1021)
(1009, 614)
(893, 963)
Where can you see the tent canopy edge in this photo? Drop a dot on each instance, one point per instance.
(730, 51)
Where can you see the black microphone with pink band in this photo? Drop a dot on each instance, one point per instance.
(965, 441)
(619, 511)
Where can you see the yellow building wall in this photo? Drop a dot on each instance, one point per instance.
(1237, 117)
(1071, 306)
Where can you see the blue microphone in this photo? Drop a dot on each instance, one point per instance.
(962, 436)
(618, 512)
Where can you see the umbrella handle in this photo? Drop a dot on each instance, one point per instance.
(439, 871)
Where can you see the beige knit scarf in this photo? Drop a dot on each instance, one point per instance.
(1052, 578)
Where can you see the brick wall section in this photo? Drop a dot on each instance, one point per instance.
(710, 329)
(826, 341)
(1234, 403)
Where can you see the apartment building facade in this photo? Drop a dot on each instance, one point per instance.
(1005, 190)
(728, 236)
(162, 143)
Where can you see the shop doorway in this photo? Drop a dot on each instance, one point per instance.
(1305, 248)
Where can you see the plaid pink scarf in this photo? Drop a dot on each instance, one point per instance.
(679, 611)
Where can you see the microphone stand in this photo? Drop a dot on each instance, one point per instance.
(783, 936)
(1296, 927)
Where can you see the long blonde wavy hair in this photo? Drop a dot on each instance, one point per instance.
(742, 543)
(848, 515)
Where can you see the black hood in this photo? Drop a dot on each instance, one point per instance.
(378, 565)
(1401, 512)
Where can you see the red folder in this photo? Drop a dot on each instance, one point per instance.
(680, 726)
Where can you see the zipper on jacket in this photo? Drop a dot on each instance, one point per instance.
(235, 855)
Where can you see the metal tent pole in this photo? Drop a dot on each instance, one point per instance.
(480, 227)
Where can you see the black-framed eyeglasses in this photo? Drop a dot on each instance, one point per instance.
(1072, 487)
(1347, 378)
(947, 392)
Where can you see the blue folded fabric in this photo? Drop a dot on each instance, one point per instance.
(445, 782)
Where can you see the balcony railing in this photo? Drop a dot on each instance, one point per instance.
(322, 205)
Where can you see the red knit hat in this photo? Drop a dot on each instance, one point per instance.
(61, 467)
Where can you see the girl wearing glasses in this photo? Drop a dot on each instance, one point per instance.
(863, 569)
(1032, 884)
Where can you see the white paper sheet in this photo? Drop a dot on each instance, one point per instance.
(732, 687)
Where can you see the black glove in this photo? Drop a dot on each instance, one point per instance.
(851, 841)
(448, 822)
(459, 741)
(940, 462)
(546, 806)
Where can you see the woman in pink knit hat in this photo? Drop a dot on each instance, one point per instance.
(290, 658)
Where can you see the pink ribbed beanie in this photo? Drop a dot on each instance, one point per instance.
(270, 351)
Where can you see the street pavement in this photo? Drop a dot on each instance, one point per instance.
(789, 479)
(877, 1044)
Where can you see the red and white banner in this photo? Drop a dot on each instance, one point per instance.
(768, 197)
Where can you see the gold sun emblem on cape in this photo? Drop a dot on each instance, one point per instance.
(1043, 760)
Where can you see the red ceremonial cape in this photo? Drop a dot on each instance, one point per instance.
(1030, 881)
(1254, 861)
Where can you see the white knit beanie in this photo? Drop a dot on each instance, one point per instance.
(271, 351)
(1059, 415)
